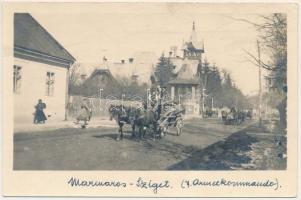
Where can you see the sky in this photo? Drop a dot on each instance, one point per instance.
(118, 32)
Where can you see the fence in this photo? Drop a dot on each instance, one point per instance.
(100, 107)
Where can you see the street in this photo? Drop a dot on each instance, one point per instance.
(97, 148)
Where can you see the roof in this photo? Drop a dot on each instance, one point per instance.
(100, 72)
(193, 43)
(31, 36)
(196, 45)
(104, 72)
(184, 82)
(185, 76)
(185, 72)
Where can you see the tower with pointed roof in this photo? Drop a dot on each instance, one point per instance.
(193, 48)
(185, 87)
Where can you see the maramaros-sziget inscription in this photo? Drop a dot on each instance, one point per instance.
(185, 184)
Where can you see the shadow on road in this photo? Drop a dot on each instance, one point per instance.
(219, 156)
(160, 147)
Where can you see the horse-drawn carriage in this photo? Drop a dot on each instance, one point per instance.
(155, 120)
(233, 117)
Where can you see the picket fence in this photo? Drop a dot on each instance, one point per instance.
(100, 107)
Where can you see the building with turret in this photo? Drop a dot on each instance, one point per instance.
(185, 87)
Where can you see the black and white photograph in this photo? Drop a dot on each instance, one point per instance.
(150, 87)
(88, 100)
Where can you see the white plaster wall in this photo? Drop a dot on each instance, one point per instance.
(33, 87)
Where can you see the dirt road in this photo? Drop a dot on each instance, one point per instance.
(97, 148)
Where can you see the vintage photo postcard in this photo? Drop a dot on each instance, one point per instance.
(150, 99)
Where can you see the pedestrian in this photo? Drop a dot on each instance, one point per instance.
(85, 112)
(40, 116)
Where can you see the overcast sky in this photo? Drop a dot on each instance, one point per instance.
(117, 32)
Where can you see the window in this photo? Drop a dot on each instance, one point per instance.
(50, 83)
(17, 79)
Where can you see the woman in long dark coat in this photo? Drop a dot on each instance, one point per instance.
(40, 116)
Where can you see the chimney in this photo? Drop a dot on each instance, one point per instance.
(131, 60)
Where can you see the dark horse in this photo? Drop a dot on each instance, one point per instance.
(122, 116)
(147, 119)
(136, 117)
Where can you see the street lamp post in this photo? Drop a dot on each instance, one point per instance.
(203, 101)
(122, 96)
(100, 91)
(148, 97)
(179, 101)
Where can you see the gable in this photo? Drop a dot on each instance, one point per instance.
(30, 36)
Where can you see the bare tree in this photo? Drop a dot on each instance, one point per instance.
(273, 39)
(74, 74)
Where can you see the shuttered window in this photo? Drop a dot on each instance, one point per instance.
(17, 79)
(50, 80)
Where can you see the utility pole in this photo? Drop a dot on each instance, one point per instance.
(67, 93)
(259, 77)
(266, 108)
(203, 101)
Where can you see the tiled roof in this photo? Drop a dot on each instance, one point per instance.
(30, 35)
(185, 76)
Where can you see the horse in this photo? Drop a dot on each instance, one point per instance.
(224, 116)
(147, 119)
(122, 116)
(141, 118)
(248, 114)
(240, 117)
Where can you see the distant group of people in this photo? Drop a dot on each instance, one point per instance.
(235, 116)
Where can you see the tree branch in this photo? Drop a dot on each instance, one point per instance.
(262, 64)
(242, 20)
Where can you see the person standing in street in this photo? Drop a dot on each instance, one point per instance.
(40, 116)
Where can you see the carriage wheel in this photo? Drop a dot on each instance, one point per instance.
(163, 131)
(179, 127)
(179, 131)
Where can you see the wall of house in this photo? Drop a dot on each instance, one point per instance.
(33, 87)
